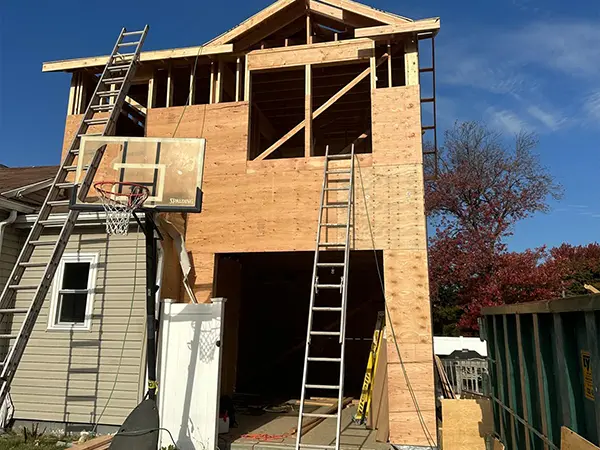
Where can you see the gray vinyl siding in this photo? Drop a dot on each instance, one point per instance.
(11, 246)
(70, 375)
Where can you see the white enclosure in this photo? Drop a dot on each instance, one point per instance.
(189, 371)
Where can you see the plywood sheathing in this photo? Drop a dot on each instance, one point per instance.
(465, 423)
(272, 205)
(569, 440)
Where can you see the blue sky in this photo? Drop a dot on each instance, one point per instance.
(531, 64)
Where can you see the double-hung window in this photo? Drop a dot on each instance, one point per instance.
(71, 305)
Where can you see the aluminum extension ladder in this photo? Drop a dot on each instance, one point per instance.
(332, 184)
(103, 111)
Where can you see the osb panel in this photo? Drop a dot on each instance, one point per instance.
(405, 428)
(569, 440)
(224, 126)
(420, 377)
(396, 125)
(407, 294)
(466, 423)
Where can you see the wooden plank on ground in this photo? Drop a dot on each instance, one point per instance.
(569, 440)
(312, 422)
(466, 423)
(98, 443)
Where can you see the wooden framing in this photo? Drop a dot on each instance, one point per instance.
(324, 52)
(244, 199)
(411, 62)
(320, 110)
(152, 91)
(238, 80)
(157, 55)
(367, 11)
(308, 130)
(384, 31)
(249, 23)
(170, 86)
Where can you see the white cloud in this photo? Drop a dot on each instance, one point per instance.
(551, 119)
(538, 74)
(506, 120)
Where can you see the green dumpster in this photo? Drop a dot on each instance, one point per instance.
(544, 369)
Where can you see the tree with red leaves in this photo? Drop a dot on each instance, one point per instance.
(483, 187)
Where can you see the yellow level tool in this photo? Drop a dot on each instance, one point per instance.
(364, 404)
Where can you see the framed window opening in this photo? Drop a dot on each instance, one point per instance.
(72, 300)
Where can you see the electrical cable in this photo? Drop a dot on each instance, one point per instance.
(112, 391)
(430, 440)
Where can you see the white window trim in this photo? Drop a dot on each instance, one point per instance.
(92, 258)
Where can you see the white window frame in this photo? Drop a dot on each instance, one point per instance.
(53, 323)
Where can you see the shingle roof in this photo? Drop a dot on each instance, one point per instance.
(16, 177)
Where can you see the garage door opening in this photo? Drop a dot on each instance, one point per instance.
(265, 323)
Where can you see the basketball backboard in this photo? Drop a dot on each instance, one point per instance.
(171, 168)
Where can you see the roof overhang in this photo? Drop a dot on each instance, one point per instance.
(385, 31)
(11, 205)
(24, 190)
(66, 65)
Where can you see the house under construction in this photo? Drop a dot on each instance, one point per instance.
(271, 97)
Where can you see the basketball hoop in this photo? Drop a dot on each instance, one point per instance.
(119, 200)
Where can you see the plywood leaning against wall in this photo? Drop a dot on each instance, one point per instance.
(569, 440)
(465, 423)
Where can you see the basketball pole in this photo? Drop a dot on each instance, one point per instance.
(140, 430)
(151, 290)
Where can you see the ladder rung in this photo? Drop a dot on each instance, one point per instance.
(323, 386)
(96, 121)
(23, 287)
(8, 336)
(70, 168)
(339, 171)
(334, 225)
(338, 189)
(128, 44)
(329, 286)
(13, 310)
(428, 127)
(342, 156)
(51, 222)
(332, 244)
(327, 308)
(132, 33)
(330, 264)
(104, 106)
(122, 56)
(325, 333)
(336, 205)
(117, 68)
(42, 242)
(65, 185)
(74, 151)
(33, 264)
(89, 134)
(322, 416)
(426, 69)
(428, 100)
(107, 93)
(55, 203)
(113, 80)
(337, 180)
(324, 359)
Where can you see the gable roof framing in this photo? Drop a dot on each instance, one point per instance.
(346, 12)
